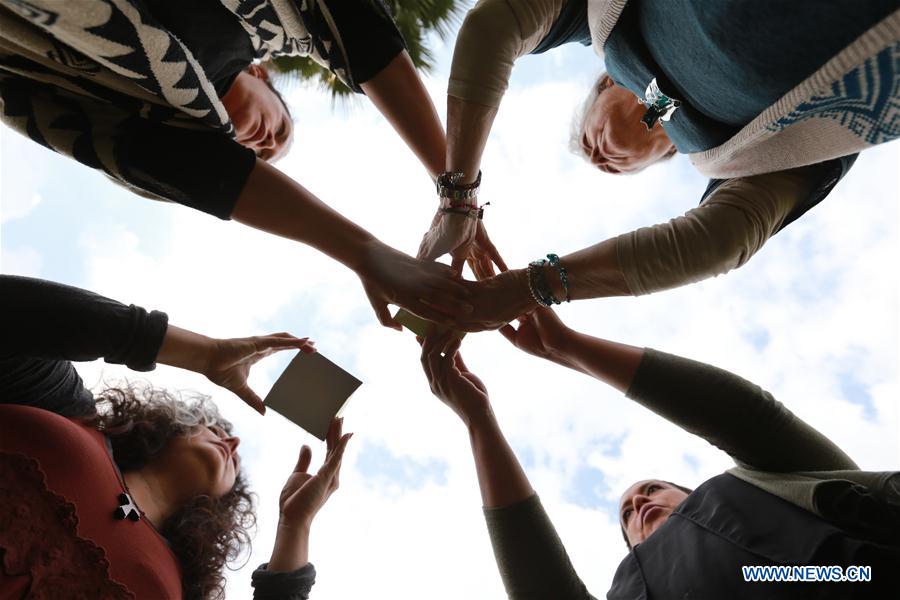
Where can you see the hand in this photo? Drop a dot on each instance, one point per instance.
(466, 240)
(427, 289)
(304, 494)
(451, 380)
(228, 361)
(483, 255)
(496, 301)
(541, 333)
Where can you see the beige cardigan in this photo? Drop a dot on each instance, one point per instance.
(780, 137)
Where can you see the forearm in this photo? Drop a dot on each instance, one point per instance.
(185, 349)
(501, 479)
(46, 320)
(612, 363)
(722, 234)
(273, 202)
(291, 549)
(399, 94)
(733, 414)
(468, 127)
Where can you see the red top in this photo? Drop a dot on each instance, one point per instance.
(59, 537)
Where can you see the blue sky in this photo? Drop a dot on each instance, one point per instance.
(813, 318)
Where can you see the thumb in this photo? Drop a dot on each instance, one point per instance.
(383, 314)
(250, 398)
(456, 265)
(509, 332)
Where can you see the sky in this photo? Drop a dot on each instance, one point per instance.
(813, 318)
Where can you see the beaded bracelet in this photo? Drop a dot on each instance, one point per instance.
(563, 274)
(537, 283)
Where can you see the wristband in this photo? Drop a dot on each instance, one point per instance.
(448, 186)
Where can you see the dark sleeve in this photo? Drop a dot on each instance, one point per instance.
(530, 556)
(354, 39)
(733, 414)
(294, 585)
(45, 325)
(132, 142)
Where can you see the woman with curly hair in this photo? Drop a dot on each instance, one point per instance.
(136, 493)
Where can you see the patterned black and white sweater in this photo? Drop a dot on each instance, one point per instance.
(123, 86)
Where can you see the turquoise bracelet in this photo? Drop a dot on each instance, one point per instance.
(537, 283)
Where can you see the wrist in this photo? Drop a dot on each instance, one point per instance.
(479, 420)
(186, 350)
(291, 549)
(521, 291)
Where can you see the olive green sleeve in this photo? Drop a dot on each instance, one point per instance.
(733, 414)
(531, 558)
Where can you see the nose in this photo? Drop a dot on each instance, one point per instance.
(233, 442)
(638, 501)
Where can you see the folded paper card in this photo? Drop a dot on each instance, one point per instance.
(421, 327)
(311, 392)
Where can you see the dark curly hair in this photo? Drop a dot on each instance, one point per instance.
(208, 533)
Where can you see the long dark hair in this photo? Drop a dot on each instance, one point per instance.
(208, 533)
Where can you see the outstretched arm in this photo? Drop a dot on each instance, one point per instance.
(399, 94)
(46, 325)
(728, 411)
(493, 35)
(530, 556)
(720, 235)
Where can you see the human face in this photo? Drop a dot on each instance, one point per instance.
(261, 121)
(204, 462)
(615, 139)
(645, 506)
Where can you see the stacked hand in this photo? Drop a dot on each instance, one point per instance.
(451, 380)
(427, 289)
(540, 333)
(466, 240)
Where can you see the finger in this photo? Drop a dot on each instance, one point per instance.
(384, 315)
(451, 346)
(250, 398)
(509, 332)
(278, 340)
(459, 363)
(333, 462)
(495, 256)
(304, 460)
(334, 433)
(457, 264)
(427, 345)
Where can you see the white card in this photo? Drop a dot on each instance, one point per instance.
(311, 391)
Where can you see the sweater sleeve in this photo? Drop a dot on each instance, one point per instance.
(493, 35)
(294, 585)
(531, 558)
(198, 167)
(45, 325)
(720, 235)
(732, 414)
